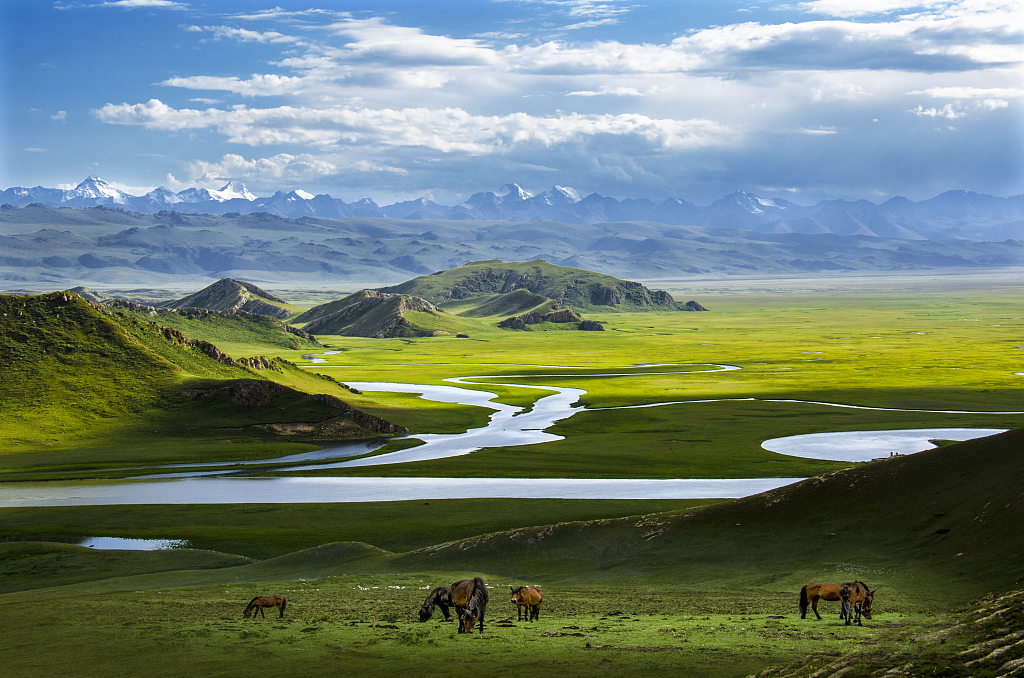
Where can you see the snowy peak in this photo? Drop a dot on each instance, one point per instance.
(512, 193)
(164, 196)
(94, 188)
(231, 191)
(560, 195)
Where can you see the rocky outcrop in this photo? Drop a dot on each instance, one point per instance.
(693, 306)
(591, 326)
(368, 313)
(228, 294)
(522, 322)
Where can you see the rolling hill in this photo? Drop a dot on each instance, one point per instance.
(77, 372)
(228, 294)
(576, 288)
(368, 313)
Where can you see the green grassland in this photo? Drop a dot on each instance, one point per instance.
(631, 588)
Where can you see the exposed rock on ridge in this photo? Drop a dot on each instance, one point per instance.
(368, 313)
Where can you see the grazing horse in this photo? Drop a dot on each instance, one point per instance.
(859, 601)
(528, 597)
(469, 596)
(260, 602)
(860, 598)
(441, 597)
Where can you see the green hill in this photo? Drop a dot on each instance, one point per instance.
(237, 332)
(77, 376)
(369, 313)
(501, 305)
(228, 294)
(574, 287)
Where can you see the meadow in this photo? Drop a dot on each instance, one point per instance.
(700, 588)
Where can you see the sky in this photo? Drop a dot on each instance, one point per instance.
(396, 100)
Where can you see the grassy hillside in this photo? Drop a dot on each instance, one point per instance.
(84, 385)
(228, 294)
(237, 333)
(575, 287)
(369, 313)
(515, 302)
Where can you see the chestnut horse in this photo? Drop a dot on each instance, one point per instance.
(442, 598)
(260, 602)
(860, 598)
(469, 596)
(528, 597)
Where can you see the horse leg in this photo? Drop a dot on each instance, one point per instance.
(261, 612)
(814, 606)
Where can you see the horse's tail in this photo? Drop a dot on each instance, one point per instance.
(284, 604)
(803, 601)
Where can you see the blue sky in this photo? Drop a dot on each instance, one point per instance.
(397, 100)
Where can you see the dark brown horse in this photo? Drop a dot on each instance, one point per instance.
(260, 602)
(528, 597)
(858, 603)
(469, 596)
(442, 598)
(860, 598)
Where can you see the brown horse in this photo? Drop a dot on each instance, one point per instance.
(528, 597)
(260, 602)
(469, 596)
(859, 602)
(860, 598)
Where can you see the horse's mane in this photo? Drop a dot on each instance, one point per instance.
(442, 594)
(478, 598)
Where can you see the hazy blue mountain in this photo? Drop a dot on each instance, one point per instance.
(953, 214)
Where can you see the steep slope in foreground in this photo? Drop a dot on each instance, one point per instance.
(574, 287)
(368, 313)
(950, 515)
(75, 371)
(228, 294)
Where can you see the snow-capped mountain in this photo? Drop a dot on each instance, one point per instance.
(559, 195)
(233, 190)
(94, 188)
(954, 214)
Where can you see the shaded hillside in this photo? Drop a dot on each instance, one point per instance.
(516, 301)
(368, 313)
(577, 288)
(228, 294)
(950, 514)
(73, 369)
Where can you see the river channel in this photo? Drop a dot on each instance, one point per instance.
(508, 426)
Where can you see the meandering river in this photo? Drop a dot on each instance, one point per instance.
(508, 426)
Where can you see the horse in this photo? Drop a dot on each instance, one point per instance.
(442, 598)
(861, 598)
(260, 602)
(528, 597)
(859, 602)
(469, 596)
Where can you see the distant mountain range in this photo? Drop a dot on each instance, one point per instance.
(951, 215)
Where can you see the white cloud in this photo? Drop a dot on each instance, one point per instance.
(244, 34)
(847, 9)
(605, 90)
(281, 167)
(970, 92)
(60, 116)
(446, 130)
(36, 150)
(820, 131)
(257, 85)
(993, 104)
(949, 111)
